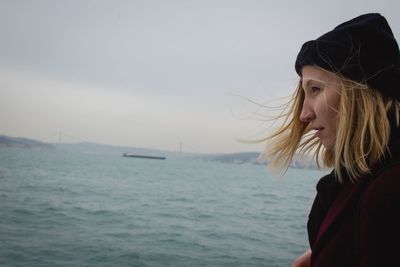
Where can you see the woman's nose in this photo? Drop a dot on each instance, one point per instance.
(307, 114)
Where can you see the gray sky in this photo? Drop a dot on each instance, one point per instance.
(155, 73)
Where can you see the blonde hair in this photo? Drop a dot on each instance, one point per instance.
(363, 132)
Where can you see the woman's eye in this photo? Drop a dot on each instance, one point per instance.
(315, 89)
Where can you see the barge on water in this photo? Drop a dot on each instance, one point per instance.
(142, 156)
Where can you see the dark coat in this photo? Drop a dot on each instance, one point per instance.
(357, 224)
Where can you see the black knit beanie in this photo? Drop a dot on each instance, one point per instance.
(362, 49)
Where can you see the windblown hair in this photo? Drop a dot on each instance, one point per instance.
(363, 132)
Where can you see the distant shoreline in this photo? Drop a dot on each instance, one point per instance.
(93, 148)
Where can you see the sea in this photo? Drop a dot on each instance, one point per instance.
(61, 208)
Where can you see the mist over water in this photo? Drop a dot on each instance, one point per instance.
(70, 209)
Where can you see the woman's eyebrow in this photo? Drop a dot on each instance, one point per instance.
(306, 82)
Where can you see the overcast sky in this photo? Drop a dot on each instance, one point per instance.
(155, 73)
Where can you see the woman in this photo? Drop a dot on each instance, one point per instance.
(346, 111)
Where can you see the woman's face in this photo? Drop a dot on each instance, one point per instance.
(321, 102)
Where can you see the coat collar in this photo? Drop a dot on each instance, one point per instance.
(345, 200)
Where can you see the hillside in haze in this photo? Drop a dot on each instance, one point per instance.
(7, 141)
(93, 148)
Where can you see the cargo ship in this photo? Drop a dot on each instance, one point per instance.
(142, 156)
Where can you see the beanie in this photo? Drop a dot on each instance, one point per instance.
(362, 49)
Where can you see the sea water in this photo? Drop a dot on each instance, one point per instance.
(70, 209)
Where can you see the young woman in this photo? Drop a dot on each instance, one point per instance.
(346, 111)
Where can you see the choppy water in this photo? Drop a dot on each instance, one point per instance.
(66, 209)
